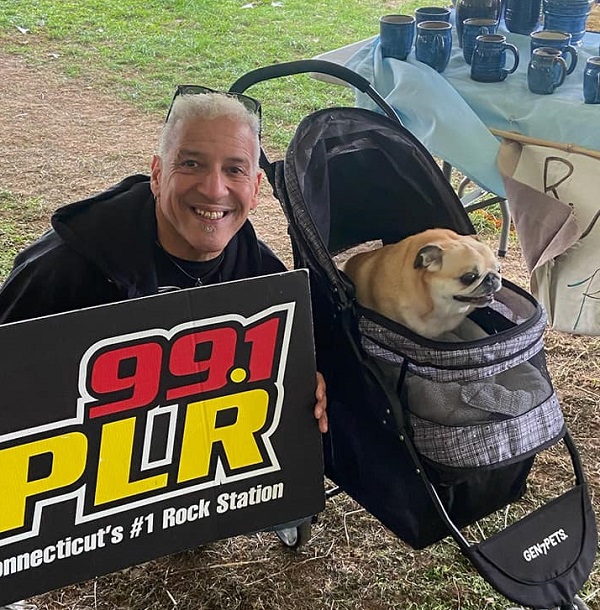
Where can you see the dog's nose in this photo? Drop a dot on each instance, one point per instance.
(493, 281)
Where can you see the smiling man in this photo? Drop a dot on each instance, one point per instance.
(186, 225)
(205, 179)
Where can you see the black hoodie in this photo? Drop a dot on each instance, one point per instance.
(101, 250)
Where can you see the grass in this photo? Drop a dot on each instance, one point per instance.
(140, 50)
(21, 221)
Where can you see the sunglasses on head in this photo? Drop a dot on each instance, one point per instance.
(249, 103)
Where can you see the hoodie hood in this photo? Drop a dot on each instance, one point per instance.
(111, 230)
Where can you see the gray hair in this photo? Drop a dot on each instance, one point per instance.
(208, 106)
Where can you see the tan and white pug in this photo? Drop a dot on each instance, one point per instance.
(428, 282)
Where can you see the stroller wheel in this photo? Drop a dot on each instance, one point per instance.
(295, 537)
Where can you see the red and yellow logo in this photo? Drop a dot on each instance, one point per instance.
(161, 413)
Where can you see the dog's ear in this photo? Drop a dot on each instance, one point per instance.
(430, 257)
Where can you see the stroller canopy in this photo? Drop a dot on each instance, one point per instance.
(364, 177)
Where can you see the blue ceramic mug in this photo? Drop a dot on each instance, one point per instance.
(567, 16)
(546, 71)
(432, 13)
(591, 80)
(556, 40)
(465, 9)
(396, 35)
(489, 58)
(433, 44)
(473, 27)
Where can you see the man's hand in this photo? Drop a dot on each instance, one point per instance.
(321, 404)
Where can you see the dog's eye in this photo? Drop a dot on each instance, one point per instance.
(468, 278)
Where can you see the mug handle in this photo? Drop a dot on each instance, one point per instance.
(563, 71)
(572, 51)
(515, 52)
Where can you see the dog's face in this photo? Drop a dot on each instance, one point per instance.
(462, 273)
(428, 282)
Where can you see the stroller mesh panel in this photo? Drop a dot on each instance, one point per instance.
(490, 443)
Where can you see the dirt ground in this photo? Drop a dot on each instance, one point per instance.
(62, 140)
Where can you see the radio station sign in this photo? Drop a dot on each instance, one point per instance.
(137, 429)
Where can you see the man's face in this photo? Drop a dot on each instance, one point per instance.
(205, 186)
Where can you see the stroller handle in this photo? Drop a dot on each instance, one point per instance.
(313, 65)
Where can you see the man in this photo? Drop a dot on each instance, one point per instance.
(187, 225)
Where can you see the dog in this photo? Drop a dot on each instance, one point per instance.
(428, 282)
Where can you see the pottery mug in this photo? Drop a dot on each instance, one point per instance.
(465, 9)
(546, 70)
(473, 27)
(591, 80)
(489, 58)
(433, 44)
(557, 40)
(432, 13)
(396, 35)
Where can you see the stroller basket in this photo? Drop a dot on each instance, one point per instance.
(428, 436)
(472, 403)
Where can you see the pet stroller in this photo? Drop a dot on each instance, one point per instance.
(428, 436)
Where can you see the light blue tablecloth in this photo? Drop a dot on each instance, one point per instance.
(450, 113)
